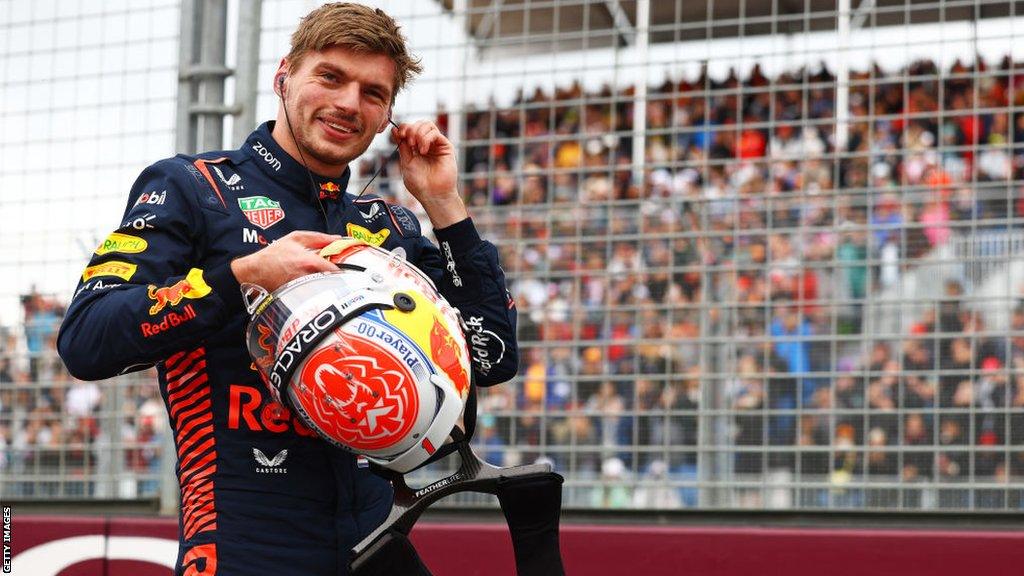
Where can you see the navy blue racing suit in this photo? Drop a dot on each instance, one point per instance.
(260, 493)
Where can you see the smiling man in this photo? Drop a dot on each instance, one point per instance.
(260, 493)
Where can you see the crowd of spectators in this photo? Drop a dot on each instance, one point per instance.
(743, 262)
(705, 322)
(64, 437)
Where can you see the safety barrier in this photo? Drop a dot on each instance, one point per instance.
(96, 546)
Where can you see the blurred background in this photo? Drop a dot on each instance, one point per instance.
(766, 254)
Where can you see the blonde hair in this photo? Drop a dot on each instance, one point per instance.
(360, 29)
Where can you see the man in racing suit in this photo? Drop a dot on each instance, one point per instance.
(260, 493)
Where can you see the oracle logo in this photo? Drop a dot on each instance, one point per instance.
(307, 337)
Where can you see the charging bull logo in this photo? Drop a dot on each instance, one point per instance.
(329, 190)
(191, 286)
(364, 397)
(447, 354)
(263, 355)
(266, 360)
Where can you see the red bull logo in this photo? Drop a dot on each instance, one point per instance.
(250, 409)
(329, 190)
(192, 287)
(266, 360)
(169, 321)
(446, 353)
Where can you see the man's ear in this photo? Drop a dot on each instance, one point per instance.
(387, 120)
(280, 76)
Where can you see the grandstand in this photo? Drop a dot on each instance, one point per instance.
(817, 294)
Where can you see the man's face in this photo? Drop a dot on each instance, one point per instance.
(337, 100)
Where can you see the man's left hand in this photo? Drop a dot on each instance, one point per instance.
(430, 171)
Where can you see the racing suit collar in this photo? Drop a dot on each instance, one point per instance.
(280, 167)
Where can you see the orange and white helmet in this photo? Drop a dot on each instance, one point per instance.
(371, 357)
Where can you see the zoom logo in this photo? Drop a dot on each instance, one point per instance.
(267, 156)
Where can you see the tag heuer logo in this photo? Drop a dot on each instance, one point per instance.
(270, 465)
(261, 211)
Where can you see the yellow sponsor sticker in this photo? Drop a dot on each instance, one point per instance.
(123, 270)
(339, 246)
(359, 233)
(118, 242)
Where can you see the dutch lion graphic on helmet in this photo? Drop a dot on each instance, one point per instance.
(371, 357)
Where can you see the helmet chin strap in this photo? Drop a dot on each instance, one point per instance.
(530, 498)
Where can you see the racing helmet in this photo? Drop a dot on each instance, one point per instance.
(370, 357)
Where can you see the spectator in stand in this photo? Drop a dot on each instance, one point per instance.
(953, 460)
(917, 464)
(613, 491)
(573, 442)
(82, 399)
(6, 375)
(638, 428)
(918, 380)
(935, 217)
(883, 396)
(851, 256)
(654, 491)
(790, 329)
(1015, 436)
(489, 441)
(526, 434)
(881, 461)
(990, 398)
(42, 318)
(847, 464)
(607, 407)
(747, 397)
(815, 432)
(145, 457)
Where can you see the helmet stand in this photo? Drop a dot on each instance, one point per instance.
(530, 498)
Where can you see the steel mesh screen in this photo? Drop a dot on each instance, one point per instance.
(87, 101)
(765, 254)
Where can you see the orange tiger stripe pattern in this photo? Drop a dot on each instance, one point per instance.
(189, 406)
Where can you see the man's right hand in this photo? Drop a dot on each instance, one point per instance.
(286, 259)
